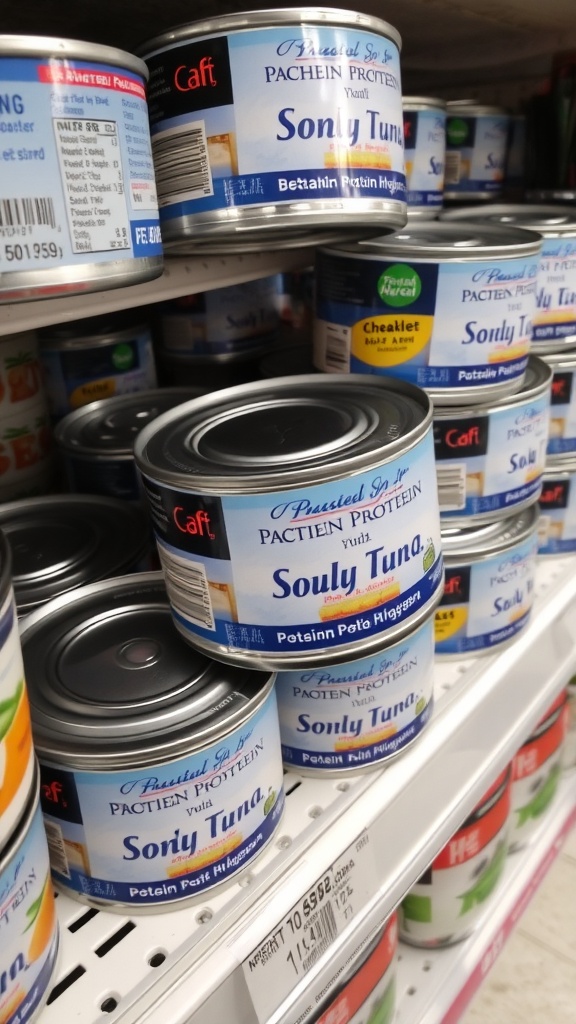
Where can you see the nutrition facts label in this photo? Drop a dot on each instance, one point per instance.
(91, 166)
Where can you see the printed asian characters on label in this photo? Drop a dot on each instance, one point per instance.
(557, 524)
(28, 927)
(453, 325)
(163, 834)
(359, 713)
(486, 603)
(16, 751)
(562, 432)
(76, 163)
(536, 773)
(424, 153)
(490, 463)
(308, 569)
(555, 313)
(476, 153)
(451, 895)
(202, 96)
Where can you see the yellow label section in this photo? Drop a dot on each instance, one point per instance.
(506, 355)
(92, 391)
(391, 340)
(448, 622)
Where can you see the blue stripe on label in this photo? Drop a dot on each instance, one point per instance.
(547, 332)
(361, 756)
(146, 237)
(495, 502)
(476, 185)
(7, 622)
(168, 890)
(289, 186)
(439, 377)
(558, 547)
(313, 636)
(561, 445)
(483, 641)
(419, 198)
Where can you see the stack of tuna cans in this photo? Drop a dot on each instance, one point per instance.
(449, 307)
(28, 925)
(297, 526)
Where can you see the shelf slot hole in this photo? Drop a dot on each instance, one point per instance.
(65, 983)
(292, 787)
(115, 939)
(84, 919)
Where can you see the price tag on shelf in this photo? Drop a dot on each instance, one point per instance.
(298, 941)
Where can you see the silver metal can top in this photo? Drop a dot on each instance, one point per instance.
(537, 381)
(559, 464)
(423, 103)
(283, 432)
(63, 541)
(469, 108)
(548, 221)
(70, 49)
(479, 542)
(559, 354)
(108, 427)
(445, 241)
(91, 332)
(112, 684)
(270, 18)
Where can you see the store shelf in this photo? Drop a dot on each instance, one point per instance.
(182, 276)
(373, 834)
(435, 987)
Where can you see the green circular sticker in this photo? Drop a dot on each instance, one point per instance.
(123, 357)
(399, 285)
(456, 131)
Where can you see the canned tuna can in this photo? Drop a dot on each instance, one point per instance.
(79, 181)
(536, 772)
(26, 454)
(489, 584)
(476, 145)
(96, 442)
(345, 718)
(424, 153)
(222, 325)
(367, 992)
(296, 519)
(569, 759)
(161, 771)
(447, 307)
(564, 196)
(554, 321)
(490, 459)
(447, 901)
(28, 924)
(16, 752)
(324, 157)
(557, 502)
(562, 429)
(63, 541)
(96, 358)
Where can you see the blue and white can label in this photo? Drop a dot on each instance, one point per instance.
(555, 314)
(424, 153)
(476, 149)
(77, 174)
(163, 833)
(357, 715)
(557, 501)
(202, 97)
(562, 434)
(290, 574)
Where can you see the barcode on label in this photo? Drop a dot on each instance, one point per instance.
(451, 487)
(181, 164)
(56, 848)
(452, 168)
(544, 530)
(36, 210)
(325, 931)
(334, 341)
(187, 588)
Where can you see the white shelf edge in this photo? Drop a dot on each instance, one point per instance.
(182, 276)
(436, 986)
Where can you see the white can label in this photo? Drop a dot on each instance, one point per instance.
(557, 526)
(486, 602)
(424, 153)
(303, 570)
(16, 753)
(158, 835)
(443, 326)
(490, 463)
(476, 153)
(359, 713)
(77, 174)
(211, 152)
(555, 314)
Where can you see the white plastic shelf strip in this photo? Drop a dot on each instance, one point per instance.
(436, 986)
(182, 276)
(185, 967)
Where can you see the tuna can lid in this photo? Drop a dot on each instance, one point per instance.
(423, 103)
(108, 426)
(550, 195)
(61, 542)
(113, 684)
(91, 332)
(283, 432)
(559, 353)
(469, 108)
(446, 241)
(549, 221)
(475, 543)
(537, 381)
(70, 49)
(559, 465)
(269, 19)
